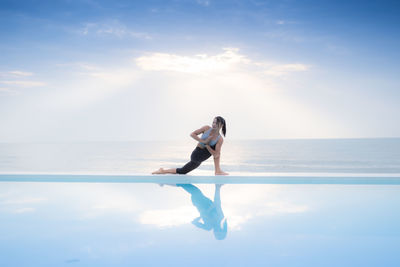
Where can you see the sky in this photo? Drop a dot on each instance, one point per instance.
(94, 70)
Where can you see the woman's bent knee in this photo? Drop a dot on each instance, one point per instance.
(190, 166)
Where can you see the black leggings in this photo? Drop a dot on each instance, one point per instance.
(198, 156)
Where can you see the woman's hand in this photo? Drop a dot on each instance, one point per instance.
(195, 134)
(206, 141)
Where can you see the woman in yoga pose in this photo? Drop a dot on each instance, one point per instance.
(209, 144)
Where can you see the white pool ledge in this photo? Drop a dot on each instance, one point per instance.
(265, 178)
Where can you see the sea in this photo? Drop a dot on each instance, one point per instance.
(380, 155)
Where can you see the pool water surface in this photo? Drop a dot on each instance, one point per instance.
(161, 224)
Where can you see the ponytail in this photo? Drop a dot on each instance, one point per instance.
(221, 120)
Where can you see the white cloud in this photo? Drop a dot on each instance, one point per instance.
(284, 22)
(8, 91)
(229, 60)
(169, 217)
(79, 66)
(24, 210)
(113, 28)
(85, 30)
(24, 83)
(198, 64)
(203, 2)
(285, 35)
(284, 69)
(23, 200)
(264, 201)
(18, 204)
(17, 73)
(284, 207)
(17, 79)
(115, 203)
(238, 217)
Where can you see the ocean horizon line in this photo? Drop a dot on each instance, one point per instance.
(188, 139)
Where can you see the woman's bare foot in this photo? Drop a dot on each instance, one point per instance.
(221, 173)
(159, 171)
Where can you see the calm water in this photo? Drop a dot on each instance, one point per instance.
(153, 224)
(86, 224)
(327, 156)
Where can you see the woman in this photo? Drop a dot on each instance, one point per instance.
(209, 144)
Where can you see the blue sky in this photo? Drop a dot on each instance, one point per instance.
(155, 70)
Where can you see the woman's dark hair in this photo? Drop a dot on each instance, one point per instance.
(221, 121)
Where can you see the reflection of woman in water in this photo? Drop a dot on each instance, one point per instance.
(210, 212)
(209, 144)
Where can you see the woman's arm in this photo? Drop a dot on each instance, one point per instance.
(195, 134)
(217, 152)
(197, 223)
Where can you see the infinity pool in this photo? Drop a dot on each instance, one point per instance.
(192, 224)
